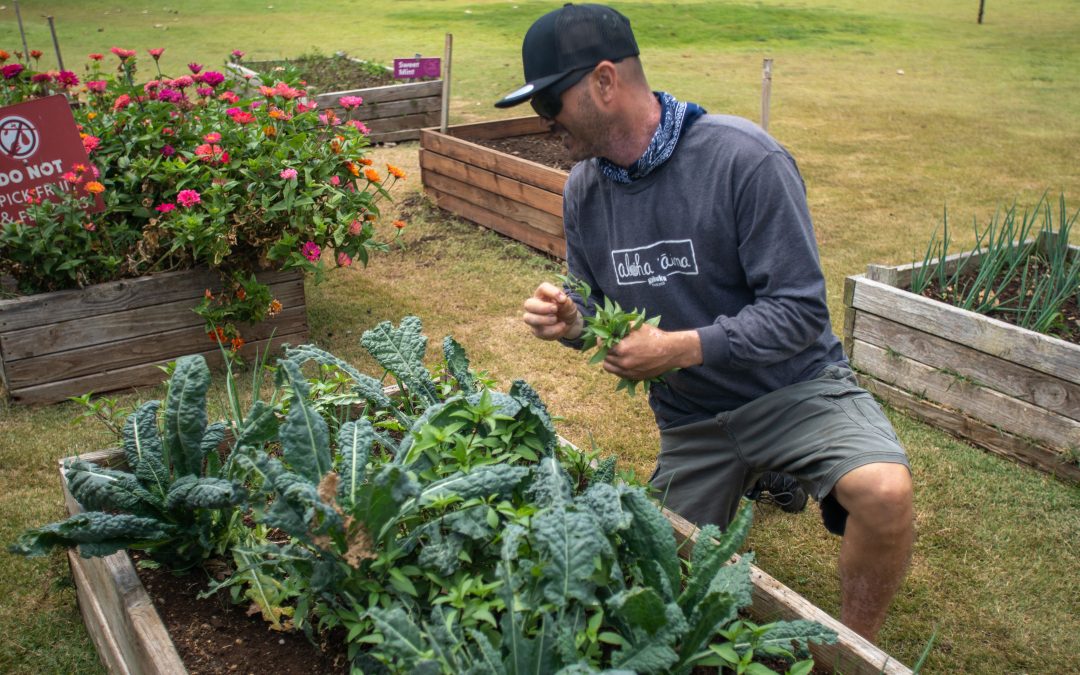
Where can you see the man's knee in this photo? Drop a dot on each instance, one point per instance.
(878, 497)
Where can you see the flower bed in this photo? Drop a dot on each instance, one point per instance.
(390, 112)
(1007, 389)
(115, 335)
(516, 197)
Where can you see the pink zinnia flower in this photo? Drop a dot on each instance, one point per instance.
(311, 251)
(288, 174)
(96, 57)
(11, 70)
(355, 227)
(122, 101)
(205, 91)
(182, 82)
(38, 78)
(212, 78)
(168, 150)
(151, 86)
(335, 181)
(67, 78)
(188, 198)
(170, 95)
(350, 102)
(242, 117)
(70, 177)
(123, 54)
(96, 86)
(89, 226)
(156, 53)
(194, 68)
(90, 143)
(359, 126)
(165, 208)
(237, 54)
(212, 137)
(343, 259)
(229, 97)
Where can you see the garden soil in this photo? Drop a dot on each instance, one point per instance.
(546, 149)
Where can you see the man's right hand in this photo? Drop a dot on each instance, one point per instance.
(552, 315)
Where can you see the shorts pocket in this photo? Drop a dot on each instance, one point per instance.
(861, 408)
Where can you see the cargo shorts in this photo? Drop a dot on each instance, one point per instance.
(817, 431)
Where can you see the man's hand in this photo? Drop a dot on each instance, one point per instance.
(649, 352)
(552, 315)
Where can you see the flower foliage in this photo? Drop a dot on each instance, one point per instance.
(190, 172)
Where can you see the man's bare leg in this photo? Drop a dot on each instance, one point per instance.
(876, 549)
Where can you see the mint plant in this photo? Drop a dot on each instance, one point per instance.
(607, 326)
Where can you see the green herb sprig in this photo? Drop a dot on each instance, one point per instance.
(608, 327)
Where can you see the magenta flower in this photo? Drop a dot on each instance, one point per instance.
(288, 174)
(188, 198)
(67, 78)
(212, 137)
(194, 68)
(212, 78)
(165, 208)
(359, 126)
(168, 151)
(237, 54)
(350, 102)
(38, 78)
(11, 70)
(96, 86)
(335, 181)
(356, 227)
(170, 95)
(123, 54)
(182, 82)
(156, 53)
(343, 259)
(311, 251)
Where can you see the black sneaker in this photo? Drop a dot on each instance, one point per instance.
(780, 489)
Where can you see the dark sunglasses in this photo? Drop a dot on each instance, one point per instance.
(548, 103)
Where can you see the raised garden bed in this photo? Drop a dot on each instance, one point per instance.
(130, 637)
(1007, 389)
(393, 112)
(115, 335)
(519, 198)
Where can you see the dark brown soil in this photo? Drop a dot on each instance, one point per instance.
(216, 637)
(546, 149)
(1066, 328)
(330, 73)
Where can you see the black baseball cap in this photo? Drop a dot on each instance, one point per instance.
(570, 40)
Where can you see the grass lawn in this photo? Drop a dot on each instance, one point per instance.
(893, 111)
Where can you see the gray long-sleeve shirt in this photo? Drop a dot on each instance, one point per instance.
(717, 239)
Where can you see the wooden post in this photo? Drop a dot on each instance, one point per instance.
(982, 5)
(56, 43)
(766, 92)
(447, 53)
(22, 32)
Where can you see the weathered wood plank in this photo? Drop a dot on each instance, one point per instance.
(385, 94)
(515, 126)
(165, 344)
(410, 106)
(544, 200)
(397, 136)
(1008, 414)
(400, 123)
(1025, 384)
(1031, 349)
(974, 431)
(522, 232)
(526, 171)
(105, 328)
(851, 654)
(511, 208)
(147, 374)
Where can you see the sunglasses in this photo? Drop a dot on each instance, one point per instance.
(548, 103)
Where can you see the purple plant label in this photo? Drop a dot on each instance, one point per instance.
(411, 69)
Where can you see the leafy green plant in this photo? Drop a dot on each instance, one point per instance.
(173, 501)
(1007, 274)
(606, 326)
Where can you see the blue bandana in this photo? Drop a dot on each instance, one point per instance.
(675, 117)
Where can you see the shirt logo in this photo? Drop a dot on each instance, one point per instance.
(653, 264)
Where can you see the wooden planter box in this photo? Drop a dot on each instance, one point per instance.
(114, 335)
(515, 197)
(1009, 390)
(395, 112)
(131, 638)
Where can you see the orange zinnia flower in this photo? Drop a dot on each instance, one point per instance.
(269, 130)
(241, 294)
(372, 175)
(394, 171)
(274, 309)
(367, 161)
(94, 187)
(208, 295)
(237, 343)
(353, 169)
(399, 224)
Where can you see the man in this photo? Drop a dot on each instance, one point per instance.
(703, 219)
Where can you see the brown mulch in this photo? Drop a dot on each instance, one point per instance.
(330, 73)
(216, 637)
(546, 149)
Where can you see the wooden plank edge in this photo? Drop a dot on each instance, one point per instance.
(383, 94)
(513, 126)
(434, 164)
(851, 654)
(507, 227)
(1034, 350)
(527, 171)
(98, 626)
(973, 431)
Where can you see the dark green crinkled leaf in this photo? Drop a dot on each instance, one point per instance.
(354, 447)
(652, 538)
(401, 636)
(96, 534)
(567, 542)
(185, 415)
(605, 470)
(401, 351)
(641, 607)
(729, 590)
(143, 449)
(305, 438)
(100, 489)
(364, 385)
(457, 364)
(654, 653)
(211, 442)
(259, 426)
(550, 485)
(494, 479)
(603, 501)
(711, 553)
(190, 492)
(486, 660)
(531, 400)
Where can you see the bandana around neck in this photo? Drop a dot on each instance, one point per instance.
(675, 117)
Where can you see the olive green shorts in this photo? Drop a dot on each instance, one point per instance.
(817, 431)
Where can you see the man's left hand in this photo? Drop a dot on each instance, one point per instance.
(649, 351)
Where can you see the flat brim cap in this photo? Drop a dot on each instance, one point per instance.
(568, 39)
